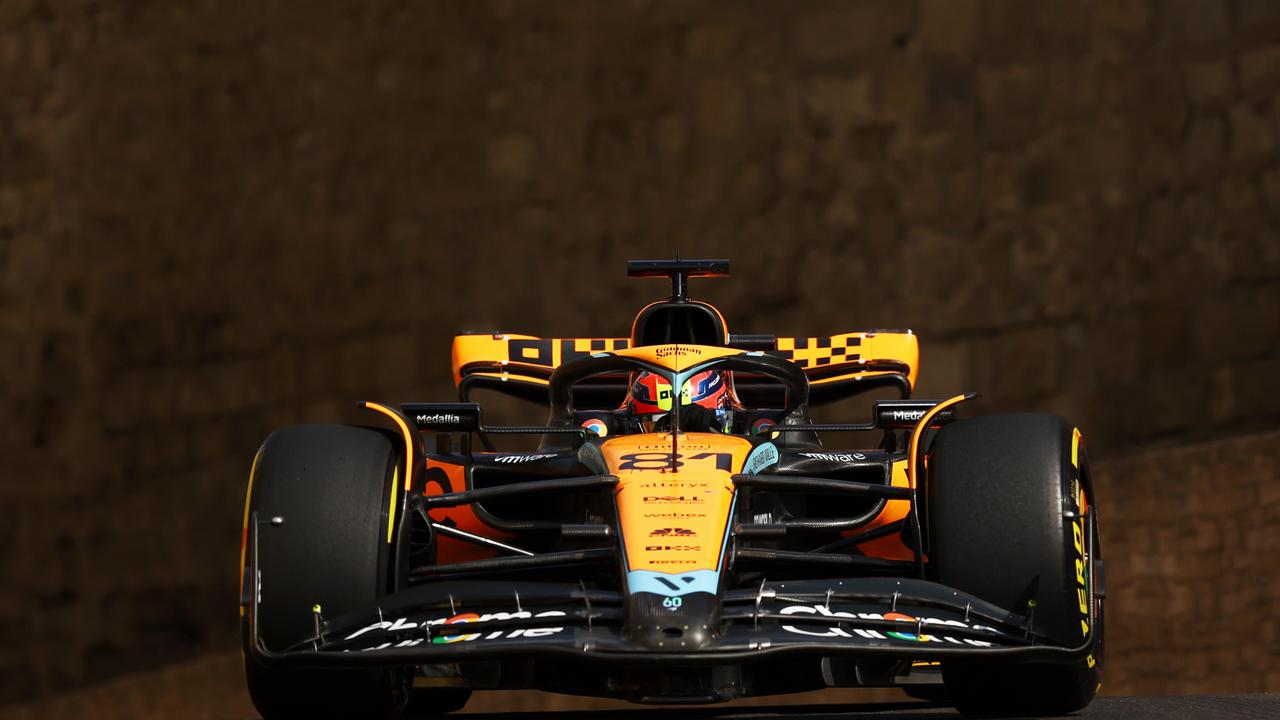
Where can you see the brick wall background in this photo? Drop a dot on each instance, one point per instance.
(214, 221)
(1192, 536)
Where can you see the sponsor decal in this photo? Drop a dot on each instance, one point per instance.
(513, 459)
(677, 485)
(403, 624)
(391, 627)
(761, 457)
(910, 637)
(543, 351)
(1077, 540)
(676, 516)
(761, 426)
(437, 419)
(596, 426)
(672, 584)
(457, 620)
(672, 532)
(672, 499)
(937, 627)
(1082, 585)
(834, 457)
(906, 415)
(676, 351)
(673, 548)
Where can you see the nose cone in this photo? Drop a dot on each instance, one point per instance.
(673, 623)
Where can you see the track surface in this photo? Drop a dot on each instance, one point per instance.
(1105, 708)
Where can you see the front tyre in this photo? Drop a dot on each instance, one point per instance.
(333, 485)
(1009, 518)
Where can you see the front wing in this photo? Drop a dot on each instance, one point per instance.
(885, 618)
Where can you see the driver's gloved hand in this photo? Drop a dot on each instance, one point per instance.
(693, 418)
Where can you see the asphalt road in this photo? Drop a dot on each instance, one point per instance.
(1105, 708)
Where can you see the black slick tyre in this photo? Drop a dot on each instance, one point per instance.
(1009, 518)
(332, 485)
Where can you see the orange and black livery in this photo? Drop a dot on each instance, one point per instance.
(678, 530)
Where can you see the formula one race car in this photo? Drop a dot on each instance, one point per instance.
(680, 534)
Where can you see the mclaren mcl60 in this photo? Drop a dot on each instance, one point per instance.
(680, 534)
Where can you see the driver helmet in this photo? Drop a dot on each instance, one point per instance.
(651, 395)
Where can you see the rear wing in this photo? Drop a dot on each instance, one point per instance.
(521, 366)
(838, 366)
(844, 365)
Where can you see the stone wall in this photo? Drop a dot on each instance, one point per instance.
(1191, 540)
(214, 222)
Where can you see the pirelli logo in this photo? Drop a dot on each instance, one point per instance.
(817, 352)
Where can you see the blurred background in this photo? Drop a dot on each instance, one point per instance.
(218, 219)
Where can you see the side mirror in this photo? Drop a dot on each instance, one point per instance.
(445, 417)
(904, 414)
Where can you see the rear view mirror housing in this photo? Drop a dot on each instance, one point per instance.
(445, 417)
(904, 414)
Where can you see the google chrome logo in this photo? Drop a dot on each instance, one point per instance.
(455, 620)
(909, 637)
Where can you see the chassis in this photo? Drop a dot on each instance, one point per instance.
(958, 559)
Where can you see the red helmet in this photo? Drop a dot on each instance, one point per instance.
(651, 393)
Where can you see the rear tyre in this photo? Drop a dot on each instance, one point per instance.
(1003, 508)
(333, 486)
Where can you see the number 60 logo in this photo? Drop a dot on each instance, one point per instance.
(671, 603)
